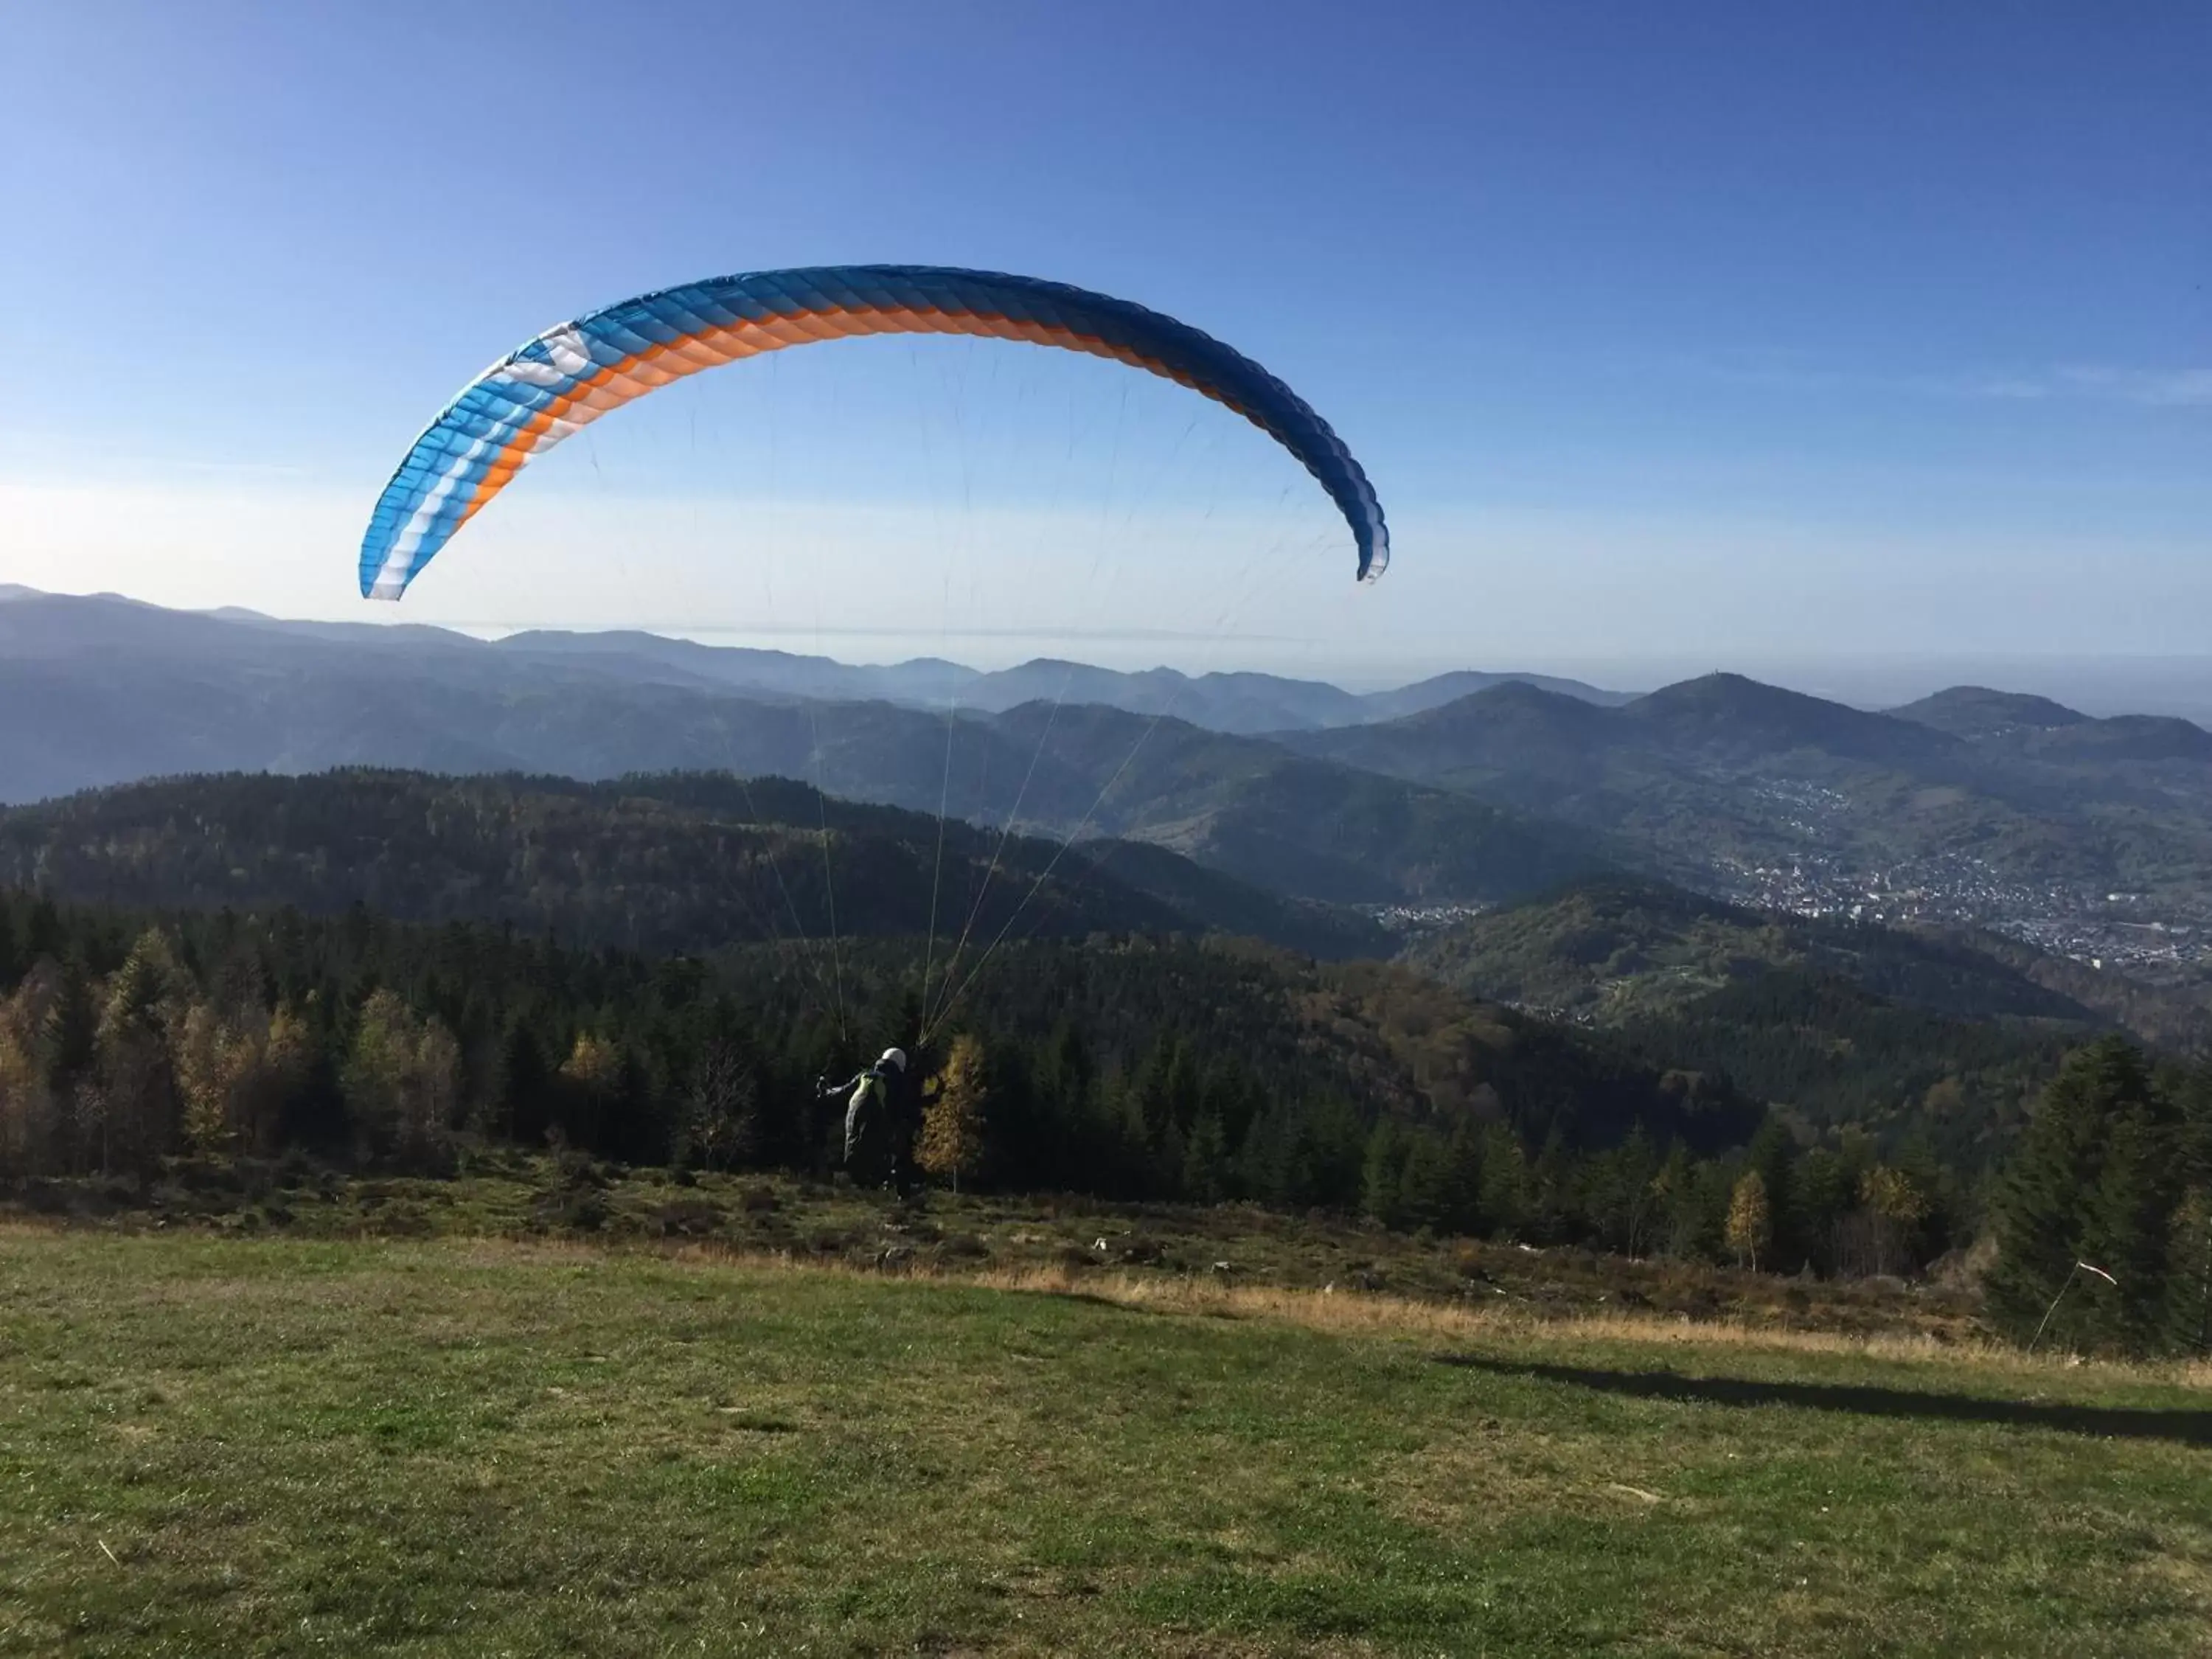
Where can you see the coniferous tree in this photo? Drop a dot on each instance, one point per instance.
(1504, 1183)
(2052, 1191)
(1206, 1170)
(525, 1111)
(71, 1029)
(592, 1077)
(1129, 1069)
(1424, 1187)
(2128, 1229)
(2189, 1274)
(1463, 1180)
(1383, 1175)
(1825, 1192)
(1773, 1154)
(43, 933)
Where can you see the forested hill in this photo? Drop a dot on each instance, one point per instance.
(679, 862)
(1614, 949)
(1899, 1032)
(1984, 805)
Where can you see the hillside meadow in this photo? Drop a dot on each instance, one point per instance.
(479, 1445)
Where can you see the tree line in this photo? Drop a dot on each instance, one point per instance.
(1122, 1067)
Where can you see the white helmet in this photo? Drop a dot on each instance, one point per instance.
(894, 1057)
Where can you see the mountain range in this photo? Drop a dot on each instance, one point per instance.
(103, 692)
(2090, 837)
(1968, 804)
(56, 651)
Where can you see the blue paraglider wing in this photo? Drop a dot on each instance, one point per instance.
(569, 376)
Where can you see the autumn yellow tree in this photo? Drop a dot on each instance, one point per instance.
(402, 1079)
(25, 1106)
(212, 1061)
(1897, 1206)
(1750, 1221)
(29, 1122)
(288, 1055)
(594, 1076)
(137, 1077)
(234, 1073)
(953, 1127)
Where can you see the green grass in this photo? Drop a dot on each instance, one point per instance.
(455, 1446)
(509, 1194)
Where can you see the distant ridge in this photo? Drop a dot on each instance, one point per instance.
(98, 692)
(1976, 711)
(1975, 807)
(1244, 703)
(1726, 713)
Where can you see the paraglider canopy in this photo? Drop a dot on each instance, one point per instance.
(572, 374)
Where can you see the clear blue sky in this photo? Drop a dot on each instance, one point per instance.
(1731, 333)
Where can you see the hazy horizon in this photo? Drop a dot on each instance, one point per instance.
(2103, 685)
(1742, 335)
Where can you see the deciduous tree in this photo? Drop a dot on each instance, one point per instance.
(954, 1127)
(1750, 1219)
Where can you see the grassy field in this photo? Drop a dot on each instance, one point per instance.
(441, 1445)
(508, 1194)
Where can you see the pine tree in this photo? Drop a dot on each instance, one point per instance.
(44, 934)
(2189, 1274)
(525, 1088)
(1505, 1181)
(1826, 1190)
(2128, 1231)
(1695, 1212)
(1463, 1181)
(1620, 1195)
(1206, 1160)
(1551, 1190)
(70, 1033)
(1383, 1175)
(2049, 1194)
(1424, 1190)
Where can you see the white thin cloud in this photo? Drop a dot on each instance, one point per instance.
(2160, 388)
(2155, 388)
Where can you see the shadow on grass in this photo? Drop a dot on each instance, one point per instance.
(2188, 1428)
(1089, 1298)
